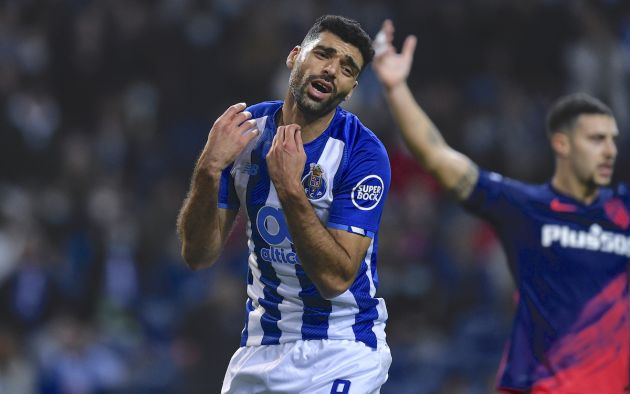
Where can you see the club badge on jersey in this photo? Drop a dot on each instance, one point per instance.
(314, 182)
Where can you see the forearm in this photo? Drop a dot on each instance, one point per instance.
(418, 131)
(199, 225)
(324, 260)
(453, 170)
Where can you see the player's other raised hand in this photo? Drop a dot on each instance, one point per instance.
(391, 67)
(229, 135)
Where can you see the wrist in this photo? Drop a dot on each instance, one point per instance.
(210, 173)
(395, 87)
(292, 190)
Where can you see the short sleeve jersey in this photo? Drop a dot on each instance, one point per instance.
(346, 179)
(571, 330)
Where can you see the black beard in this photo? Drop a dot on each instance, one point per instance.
(310, 107)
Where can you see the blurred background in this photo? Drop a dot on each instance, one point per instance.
(105, 106)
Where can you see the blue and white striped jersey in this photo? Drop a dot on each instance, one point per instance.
(346, 179)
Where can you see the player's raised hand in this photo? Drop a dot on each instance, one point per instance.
(392, 68)
(286, 158)
(229, 135)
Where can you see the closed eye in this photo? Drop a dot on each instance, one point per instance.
(321, 54)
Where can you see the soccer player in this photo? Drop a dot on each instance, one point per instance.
(311, 180)
(567, 241)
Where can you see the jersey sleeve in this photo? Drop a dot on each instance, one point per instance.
(359, 194)
(494, 197)
(228, 198)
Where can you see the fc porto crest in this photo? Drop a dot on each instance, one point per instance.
(314, 182)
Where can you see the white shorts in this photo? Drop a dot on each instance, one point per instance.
(313, 366)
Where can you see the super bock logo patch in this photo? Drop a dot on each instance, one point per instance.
(368, 192)
(314, 182)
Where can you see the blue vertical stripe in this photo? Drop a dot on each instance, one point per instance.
(227, 191)
(258, 187)
(364, 320)
(250, 276)
(316, 308)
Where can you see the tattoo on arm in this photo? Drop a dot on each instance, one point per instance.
(466, 183)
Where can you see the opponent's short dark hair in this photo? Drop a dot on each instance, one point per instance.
(567, 109)
(348, 30)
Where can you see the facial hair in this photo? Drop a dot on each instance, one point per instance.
(298, 86)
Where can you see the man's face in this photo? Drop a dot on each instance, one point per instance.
(593, 149)
(323, 73)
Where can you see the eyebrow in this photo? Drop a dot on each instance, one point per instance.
(348, 59)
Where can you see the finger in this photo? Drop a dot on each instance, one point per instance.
(275, 143)
(233, 110)
(249, 135)
(280, 134)
(409, 46)
(298, 141)
(289, 138)
(388, 28)
(246, 126)
(241, 117)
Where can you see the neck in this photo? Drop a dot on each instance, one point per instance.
(312, 126)
(573, 187)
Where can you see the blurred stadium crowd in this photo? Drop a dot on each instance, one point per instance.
(105, 105)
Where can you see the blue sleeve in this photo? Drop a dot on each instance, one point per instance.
(359, 194)
(228, 198)
(494, 197)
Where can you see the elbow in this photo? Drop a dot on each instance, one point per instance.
(196, 260)
(329, 295)
(334, 289)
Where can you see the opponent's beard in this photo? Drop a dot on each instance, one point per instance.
(298, 86)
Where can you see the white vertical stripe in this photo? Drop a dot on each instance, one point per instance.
(291, 306)
(342, 316)
(240, 169)
(379, 326)
(329, 160)
(344, 306)
(254, 291)
(368, 271)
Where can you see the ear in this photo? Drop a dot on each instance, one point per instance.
(356, 83)
(293, 56)
(560, 144)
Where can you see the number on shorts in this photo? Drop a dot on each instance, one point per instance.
(340, 386)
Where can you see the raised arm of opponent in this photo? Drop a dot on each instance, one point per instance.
(453, 170)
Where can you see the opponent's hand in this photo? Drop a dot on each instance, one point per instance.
(286, 159)
(392, 68)
(229, 135)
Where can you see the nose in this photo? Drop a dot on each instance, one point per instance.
(611, 148)
(331, 67)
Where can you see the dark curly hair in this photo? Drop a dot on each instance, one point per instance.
(347, 29)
